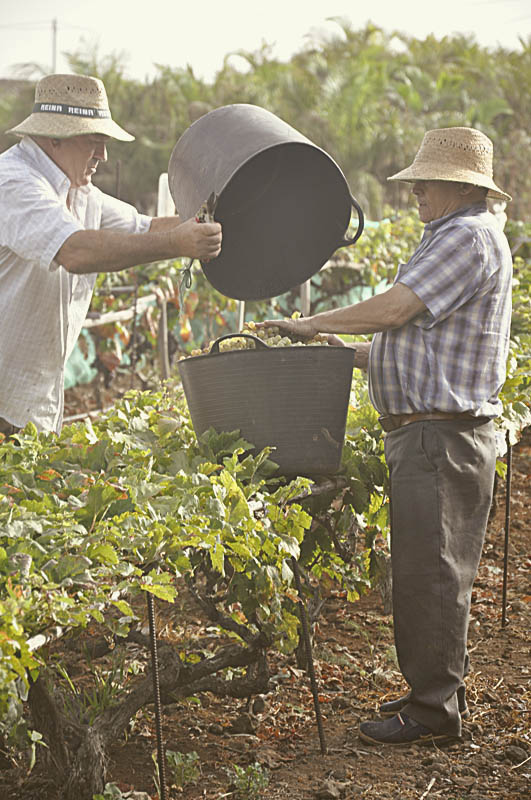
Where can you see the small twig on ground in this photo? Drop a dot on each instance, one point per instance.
(498, 684)
(365, 753)
(521, 764)
(426, 793)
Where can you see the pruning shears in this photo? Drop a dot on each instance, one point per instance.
(204, 214)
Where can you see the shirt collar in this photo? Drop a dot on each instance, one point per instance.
(44, 164)
(465, 211)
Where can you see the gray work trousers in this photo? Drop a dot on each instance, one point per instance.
(442, 475)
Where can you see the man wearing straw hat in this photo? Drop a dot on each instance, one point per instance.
(436, 366)
(57, 231)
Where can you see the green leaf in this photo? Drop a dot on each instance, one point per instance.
(163, 592)
(124, 607)
(103, 552)
(217, 557)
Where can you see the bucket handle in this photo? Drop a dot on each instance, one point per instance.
(259, 342)
(361, 223)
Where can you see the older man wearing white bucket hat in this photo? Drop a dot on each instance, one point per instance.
(57, 231)
(436, 366)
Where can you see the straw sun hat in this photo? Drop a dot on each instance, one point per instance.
(463, 155)
(70, 105)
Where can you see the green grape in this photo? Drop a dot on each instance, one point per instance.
(272, 336)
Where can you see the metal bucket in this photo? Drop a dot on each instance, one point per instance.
(283, 202)
(292, 398)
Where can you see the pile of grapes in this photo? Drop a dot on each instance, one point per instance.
(271, 336)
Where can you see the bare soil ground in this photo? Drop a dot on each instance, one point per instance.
(356, 670)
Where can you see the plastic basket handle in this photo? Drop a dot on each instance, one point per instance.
(259, 342)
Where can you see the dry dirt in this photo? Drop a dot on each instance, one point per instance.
(356, 670)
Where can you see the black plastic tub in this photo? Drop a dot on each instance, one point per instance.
(294, 399)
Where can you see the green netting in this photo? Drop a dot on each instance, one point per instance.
(79, 367)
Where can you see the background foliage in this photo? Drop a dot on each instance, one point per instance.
(366, 96)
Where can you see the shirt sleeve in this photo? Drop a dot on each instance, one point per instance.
(120, 216)
(34, 223)
(446, 275)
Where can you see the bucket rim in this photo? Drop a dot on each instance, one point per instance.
(349, 351)
(255, 155)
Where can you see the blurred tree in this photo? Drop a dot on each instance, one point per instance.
(365, 96)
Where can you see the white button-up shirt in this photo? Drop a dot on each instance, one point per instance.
(42, 305)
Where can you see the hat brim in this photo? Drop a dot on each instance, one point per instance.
(412, 175)
(56, 127)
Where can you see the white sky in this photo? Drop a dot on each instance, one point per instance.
(201, 33)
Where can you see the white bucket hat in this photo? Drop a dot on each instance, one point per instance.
(70, 105)
(463, 155)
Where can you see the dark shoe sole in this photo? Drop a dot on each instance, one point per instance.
(388, 714)
(430, 738)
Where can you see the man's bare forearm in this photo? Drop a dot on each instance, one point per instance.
(164, 223)
(381, 312)
(111, 251)
(392, 309)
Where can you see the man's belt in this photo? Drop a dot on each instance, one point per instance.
(392, 422)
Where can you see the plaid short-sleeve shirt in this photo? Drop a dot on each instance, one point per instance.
(42, 306)
(452, 357)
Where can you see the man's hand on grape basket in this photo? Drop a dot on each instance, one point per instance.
(301, 328)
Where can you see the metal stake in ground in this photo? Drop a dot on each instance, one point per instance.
(134, 334)
(309, 656)
(156, 696)
(507, 527)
